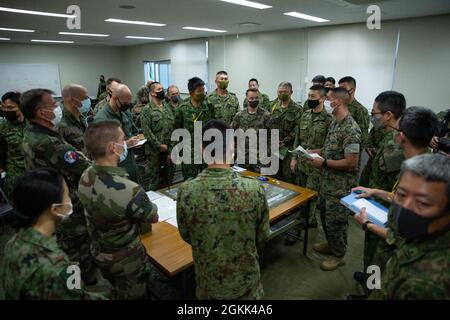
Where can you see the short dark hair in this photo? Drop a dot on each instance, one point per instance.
(98, 135)
(34, 192)
(221, 72)
(152, 86)
(331, 79)
(320, 88)
(419, 125)
(341, 93)
(253, 79)
(319, 79)
(194, 83)
(30, 102)
(251, 90)
(392, 101)
(349, 80)
(222, 127)
(112, 79)
(14, 96)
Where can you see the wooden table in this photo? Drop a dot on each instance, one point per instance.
(172, 254)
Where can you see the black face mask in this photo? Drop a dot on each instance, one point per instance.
(253, 104)
(327, 90)
(10, 115)
(313, 103)
(411, 225)
(175, 99)
(125, 106)
(160, 95)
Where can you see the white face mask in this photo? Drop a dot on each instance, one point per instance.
(327, 105)
(58, 116)
(65, 204)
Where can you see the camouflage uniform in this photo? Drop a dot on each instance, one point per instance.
(138, 106)
(418, 271)
(310, 133)
(72, 129)
(157, 126)
(185, 117)
(245, 121)
(100, 105)
(285, 120)
(115, 207)
(34, 268)
(11, 151)
(384, 173)
(224, 217)
(264, 102)
(101, 88)
(223, 108)
(44, 147)
(361, 116)
(126, 121)
(344, 137)
(375, 137)
(173, 108)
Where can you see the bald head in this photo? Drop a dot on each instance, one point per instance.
(122, 93)
(74, 91)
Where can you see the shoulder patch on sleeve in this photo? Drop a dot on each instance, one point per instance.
(70, 157)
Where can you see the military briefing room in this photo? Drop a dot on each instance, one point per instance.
(225, 150)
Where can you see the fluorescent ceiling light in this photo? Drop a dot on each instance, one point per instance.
(204, 29)
(16, 30)
(5, 39)
(37, 13)
(84, 34)
(143, 38)
(135, 22)
(305, 16)
(51, 41)
(248, 4)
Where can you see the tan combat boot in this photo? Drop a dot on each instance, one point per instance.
(332, 263)
(322, 248)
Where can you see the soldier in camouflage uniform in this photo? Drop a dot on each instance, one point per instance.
(43, 146)
(34, 268)
(224, 104)
(101, 88)
(311, 131)
(192, 110)
(173, 94)
(375, 137)
(118, 109)
(419, 268)
(157, 125)
(357, 110)
(73, 123)
(444, 128)
(224, 216)
(117, 210)
(253, 117)
(285, 115)
(110, 84)
(340, 173)
(11, 136)
(317, 80)
(263, 99)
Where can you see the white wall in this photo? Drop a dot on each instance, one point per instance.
(81, 64)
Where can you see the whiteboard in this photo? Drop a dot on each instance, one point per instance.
(23, 77)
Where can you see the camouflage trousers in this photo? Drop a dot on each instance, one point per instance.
(284, 171)
(334, 218)
(312, 182)
(127, 270)
(192, 170)
(160, 170)
(254, 293)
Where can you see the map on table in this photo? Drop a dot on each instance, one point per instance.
(275, 195)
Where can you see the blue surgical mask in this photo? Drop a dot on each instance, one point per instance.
(124, 154)
(85, 106)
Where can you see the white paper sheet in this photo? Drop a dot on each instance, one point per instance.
(140, 143)
(167, 208)
(371, 210)
(301, 151)
(154, 195)
(173, 221)
(238, 169)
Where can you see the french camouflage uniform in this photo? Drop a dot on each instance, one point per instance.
(35, 268)
(72, 129)
(310, 133)
(125, 118)
(361, 116)
(224, 216)
(384, 174)
(45, 148)
(264, 102)
(223, 108)
(11, 151)
(186, 116)
(344, 137)
(157, 126)
(100, 105)
(257, 121)
(374, 140)
(418, 270)
(285, 120)
(116, 210)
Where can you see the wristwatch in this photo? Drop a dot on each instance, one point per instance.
(364, 225)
